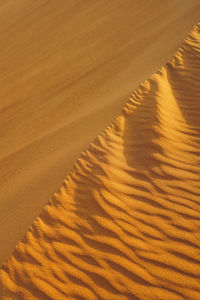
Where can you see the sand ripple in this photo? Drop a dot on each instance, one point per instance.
(126, 222)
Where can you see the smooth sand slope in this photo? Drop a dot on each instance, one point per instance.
(67, 67)
(126, 222)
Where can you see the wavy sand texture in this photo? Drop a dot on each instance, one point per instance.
(126, 222)
(67, 65)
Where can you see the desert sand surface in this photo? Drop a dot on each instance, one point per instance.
(126, 222)
(66, 69)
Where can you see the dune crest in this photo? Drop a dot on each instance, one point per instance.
(126, 222)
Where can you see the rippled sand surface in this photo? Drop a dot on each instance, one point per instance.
(67, 68)
(126, 222)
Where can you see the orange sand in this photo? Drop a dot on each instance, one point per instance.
(126, 222)
(67, 68)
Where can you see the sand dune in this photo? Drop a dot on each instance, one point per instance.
(66, 69)
(126, 222)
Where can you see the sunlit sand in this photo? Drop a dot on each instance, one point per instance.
(126, 222)
(67, 68)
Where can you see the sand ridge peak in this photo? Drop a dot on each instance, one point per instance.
(125, 224)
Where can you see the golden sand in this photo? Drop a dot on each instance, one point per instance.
(67, 67)
(126, 222)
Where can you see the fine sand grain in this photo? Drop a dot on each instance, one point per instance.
(126, 222)
(67, 67)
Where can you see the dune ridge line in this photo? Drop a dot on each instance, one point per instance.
(126, 222)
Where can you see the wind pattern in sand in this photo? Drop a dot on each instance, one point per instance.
(126, 222)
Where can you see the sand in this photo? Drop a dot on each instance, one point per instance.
(126, 222)
(66, 69)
